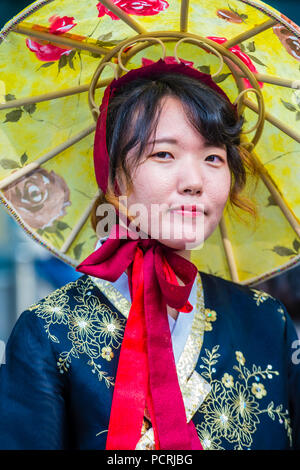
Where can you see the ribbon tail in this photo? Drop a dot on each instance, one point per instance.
(169, 410)
(129, 398)
(195, 441)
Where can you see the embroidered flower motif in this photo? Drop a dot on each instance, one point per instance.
(218, 416)
(227, 380)
(54, 309)
(232, 413)
(240, 357)
(83, 329)
(84, 326)
(208, 439)
(48, 52)
(260, 296)
(244, 406)
(258, 390)
(134, 7)
(110, 329)
(210, 316)
(107, 353)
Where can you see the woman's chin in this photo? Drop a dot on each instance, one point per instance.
(189, 242)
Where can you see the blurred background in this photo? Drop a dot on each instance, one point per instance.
(28, 272)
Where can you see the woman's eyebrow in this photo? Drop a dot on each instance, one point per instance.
(165, 140)
(172, 140)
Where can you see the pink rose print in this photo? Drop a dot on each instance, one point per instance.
(40, 198)
(48, 52)
(241, 55)
(61, 24)
(134, 7)
(168, 60)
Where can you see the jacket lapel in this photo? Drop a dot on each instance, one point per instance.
(193, 386)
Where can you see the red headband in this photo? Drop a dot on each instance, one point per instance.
(155, 70)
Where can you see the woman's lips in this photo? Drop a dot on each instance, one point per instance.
(188, 213)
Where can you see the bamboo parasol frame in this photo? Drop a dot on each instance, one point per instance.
(142, 40)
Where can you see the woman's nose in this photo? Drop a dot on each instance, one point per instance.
(190, 179)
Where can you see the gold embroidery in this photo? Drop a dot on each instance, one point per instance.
(113, 295)
(147, 441)
(94, 329)
(258, 390)
(190, 354)
(107, 353)
(194, 388)
(194, 393)
(208, 439)
(210, 316)
(227, 380)
(261, 296)
(240, 357)
(232, 409)
(281, 311)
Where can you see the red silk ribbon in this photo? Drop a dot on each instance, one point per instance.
(146, 375)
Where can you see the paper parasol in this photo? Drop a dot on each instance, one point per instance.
(52, 76)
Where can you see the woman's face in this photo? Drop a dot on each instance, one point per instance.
(181, 185)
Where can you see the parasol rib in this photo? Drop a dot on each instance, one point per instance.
(124, 17)
(272, 79)
(44, 158)
(184, 15)
(78, 226)
(250, 33)
(59, 39)
(51, 96)
(270, 185)
(228, 251)
(273, 120)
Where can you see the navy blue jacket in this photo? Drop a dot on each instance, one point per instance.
(239, 372)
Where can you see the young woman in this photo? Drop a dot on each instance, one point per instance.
(144, 351)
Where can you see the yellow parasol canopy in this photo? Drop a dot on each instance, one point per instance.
(52, 77)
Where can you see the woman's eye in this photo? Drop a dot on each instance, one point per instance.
(162, 155)
(212, 158)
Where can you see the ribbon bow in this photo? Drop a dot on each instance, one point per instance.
(146, 375)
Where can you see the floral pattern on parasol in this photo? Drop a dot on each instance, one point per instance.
(47, 128)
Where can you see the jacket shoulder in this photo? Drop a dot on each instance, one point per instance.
(70, 289)
(239, 297)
